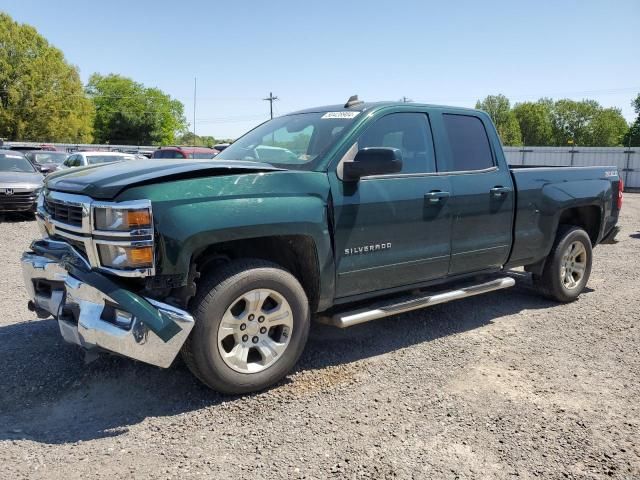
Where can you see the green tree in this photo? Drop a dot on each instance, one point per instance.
(534, 120)
(570, 121)
(632, 137)
(188, 138)
(129, 113)
(607, 128)
(41, 95)
(587, 123)
(499, 109)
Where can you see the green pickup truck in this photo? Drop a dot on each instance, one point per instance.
(344, 214)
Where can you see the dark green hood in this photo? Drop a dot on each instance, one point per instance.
(107, 181)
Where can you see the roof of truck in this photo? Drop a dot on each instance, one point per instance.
(363, 106)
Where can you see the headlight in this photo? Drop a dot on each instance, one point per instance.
(121, 257)
(121, 219)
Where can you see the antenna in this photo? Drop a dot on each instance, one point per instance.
(194, 109)
(271, 99)
(353, 100)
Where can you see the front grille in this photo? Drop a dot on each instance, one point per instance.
(17, 201)
(62, 212)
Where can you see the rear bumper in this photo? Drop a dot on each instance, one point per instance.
(95, 320)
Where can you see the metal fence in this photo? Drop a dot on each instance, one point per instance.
(626, 159)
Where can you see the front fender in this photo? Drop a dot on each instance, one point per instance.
(192, 215)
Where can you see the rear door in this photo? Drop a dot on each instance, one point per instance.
(482, 200)
(392, 230)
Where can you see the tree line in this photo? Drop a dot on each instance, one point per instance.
(561, 122)
(43, 99)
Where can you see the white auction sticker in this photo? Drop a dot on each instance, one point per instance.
(340, 115)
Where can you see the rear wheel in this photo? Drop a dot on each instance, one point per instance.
(568, 265)
(252, 322)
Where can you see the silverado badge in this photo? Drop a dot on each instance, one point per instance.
(374, 247)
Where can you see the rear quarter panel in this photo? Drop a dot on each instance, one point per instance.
(544, 193)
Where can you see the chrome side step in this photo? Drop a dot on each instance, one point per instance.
(349, 318)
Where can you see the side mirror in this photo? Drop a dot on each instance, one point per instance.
(373, 161)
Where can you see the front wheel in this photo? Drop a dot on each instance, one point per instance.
(252, 322)
(568, 266)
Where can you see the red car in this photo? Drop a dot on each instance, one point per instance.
(184, 152)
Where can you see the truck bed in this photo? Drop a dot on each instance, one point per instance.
(544, 192)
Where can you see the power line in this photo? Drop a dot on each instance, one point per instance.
(271, 99)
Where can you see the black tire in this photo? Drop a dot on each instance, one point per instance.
(550, 283)
(216, 293)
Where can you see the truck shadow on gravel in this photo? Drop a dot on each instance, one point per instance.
(49, 395)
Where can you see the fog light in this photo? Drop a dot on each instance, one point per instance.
(116, 256)
(123, 319)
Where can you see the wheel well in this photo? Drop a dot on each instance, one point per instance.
(295, 253)
(586, 217)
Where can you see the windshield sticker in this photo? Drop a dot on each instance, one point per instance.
(339, 115)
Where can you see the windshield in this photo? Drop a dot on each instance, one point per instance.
(49, 157)
(292, 141)
(15, 163)
(95, 159)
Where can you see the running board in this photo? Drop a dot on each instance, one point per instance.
(394, 307)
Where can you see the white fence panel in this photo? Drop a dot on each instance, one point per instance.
(626, 160)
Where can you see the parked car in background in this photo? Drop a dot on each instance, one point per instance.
(82, 159)
(140, 153)
(46, 161)
(185, 152)
(20, 183)
(29, 148)
(221, 146)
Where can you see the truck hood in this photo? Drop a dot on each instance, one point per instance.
(108, 180)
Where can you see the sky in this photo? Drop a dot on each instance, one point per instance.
(316, 53)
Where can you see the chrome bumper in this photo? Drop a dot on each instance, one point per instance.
(80, 311)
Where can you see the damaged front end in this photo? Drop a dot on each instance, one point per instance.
(94, 312)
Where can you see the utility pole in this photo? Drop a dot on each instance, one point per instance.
(406, 100)
(271, 99)
(194, 109)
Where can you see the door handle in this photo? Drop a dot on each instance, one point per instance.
(499, 191)
(436, 196)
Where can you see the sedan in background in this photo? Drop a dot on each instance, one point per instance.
(83, 159)
(20, 183)
(46, 161)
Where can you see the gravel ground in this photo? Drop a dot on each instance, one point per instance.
(497, 386)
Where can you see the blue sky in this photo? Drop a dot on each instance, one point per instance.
(314, 53)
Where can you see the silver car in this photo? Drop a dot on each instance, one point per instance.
(20, 183)
(83, 159)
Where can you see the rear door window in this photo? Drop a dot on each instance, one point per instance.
(468, 142)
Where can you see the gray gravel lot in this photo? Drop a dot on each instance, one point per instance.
(498, 386)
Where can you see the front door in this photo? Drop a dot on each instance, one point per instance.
(393, 230)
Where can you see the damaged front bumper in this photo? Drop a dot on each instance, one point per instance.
(94, 312)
